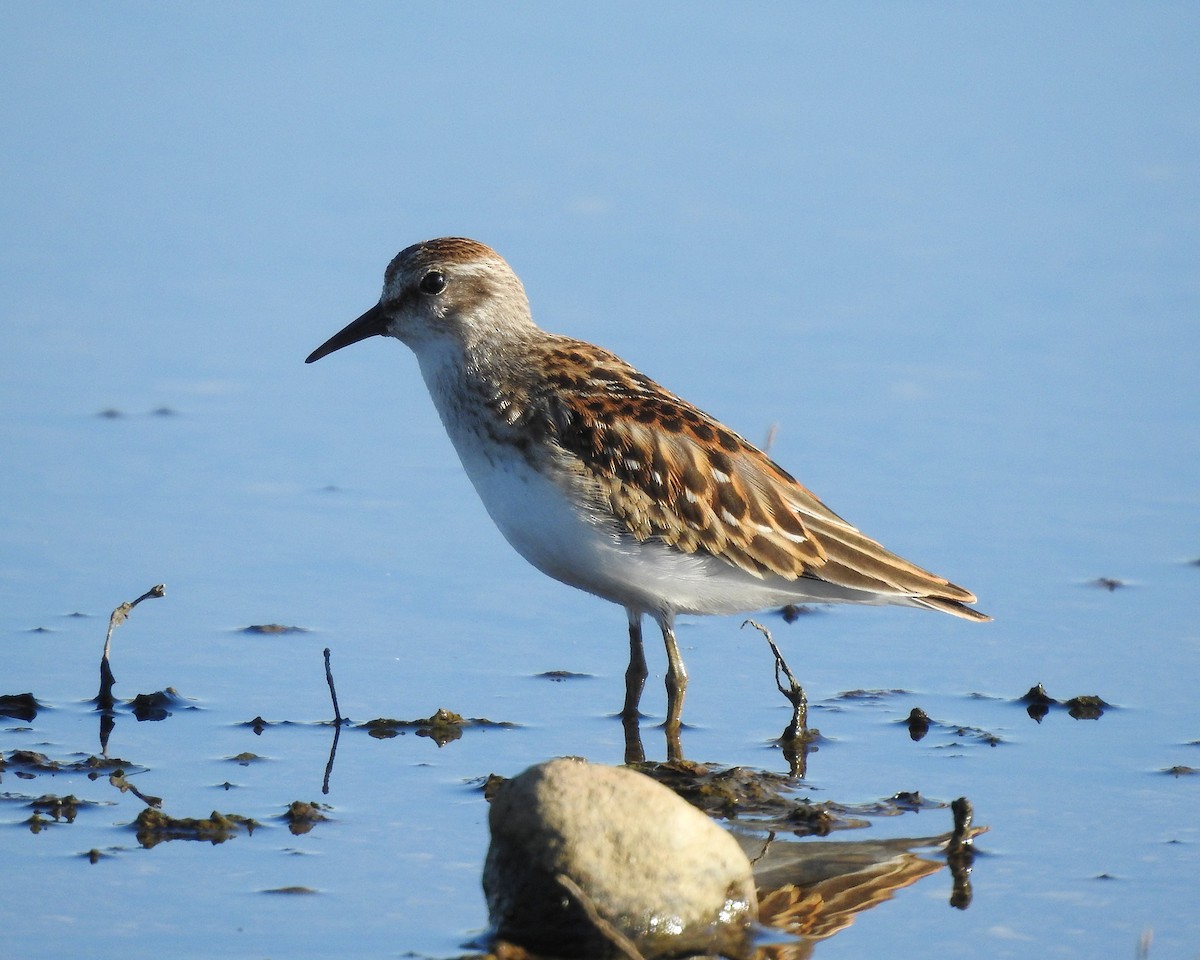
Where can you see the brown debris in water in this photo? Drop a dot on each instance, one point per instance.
(960, 853)
(155, 706)
(271, 628)
(918, 724)
(1038, 703)
(755, 798)
(258, 725)
(60, 809)
(155, 827)
(28, 764)
(117, 779)
(1085, 707)
(491, 784)
(301, 817)
(443, 727)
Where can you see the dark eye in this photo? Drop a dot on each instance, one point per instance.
(432, 283)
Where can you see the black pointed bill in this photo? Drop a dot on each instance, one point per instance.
(373, 323)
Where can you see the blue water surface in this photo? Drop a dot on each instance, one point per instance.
(947, 254)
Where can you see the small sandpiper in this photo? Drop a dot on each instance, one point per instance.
(606, 481)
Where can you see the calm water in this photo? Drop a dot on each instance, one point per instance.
(950, 255)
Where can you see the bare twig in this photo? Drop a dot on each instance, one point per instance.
(606, 929)
(793, 692)
(338, 720)
(795, 739)
(117, 779)
(104, 698)
(337, 713)
(337, 732)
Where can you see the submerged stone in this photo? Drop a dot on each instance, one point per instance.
(588, 860)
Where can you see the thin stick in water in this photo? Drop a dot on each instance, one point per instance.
(104, 698)
(338, 720)
(794, 692)
(606, 929)
(337, 713)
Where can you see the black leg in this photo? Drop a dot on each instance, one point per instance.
(635, 673)
(635, 681)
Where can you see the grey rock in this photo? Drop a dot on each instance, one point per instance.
(591, 861)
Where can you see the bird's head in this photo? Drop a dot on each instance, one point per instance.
(447, 292)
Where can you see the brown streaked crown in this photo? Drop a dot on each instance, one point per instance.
(444, 251)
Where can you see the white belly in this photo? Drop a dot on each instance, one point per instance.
(583, 548)
(572, 539)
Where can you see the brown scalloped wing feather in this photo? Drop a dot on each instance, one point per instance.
(671, 471)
